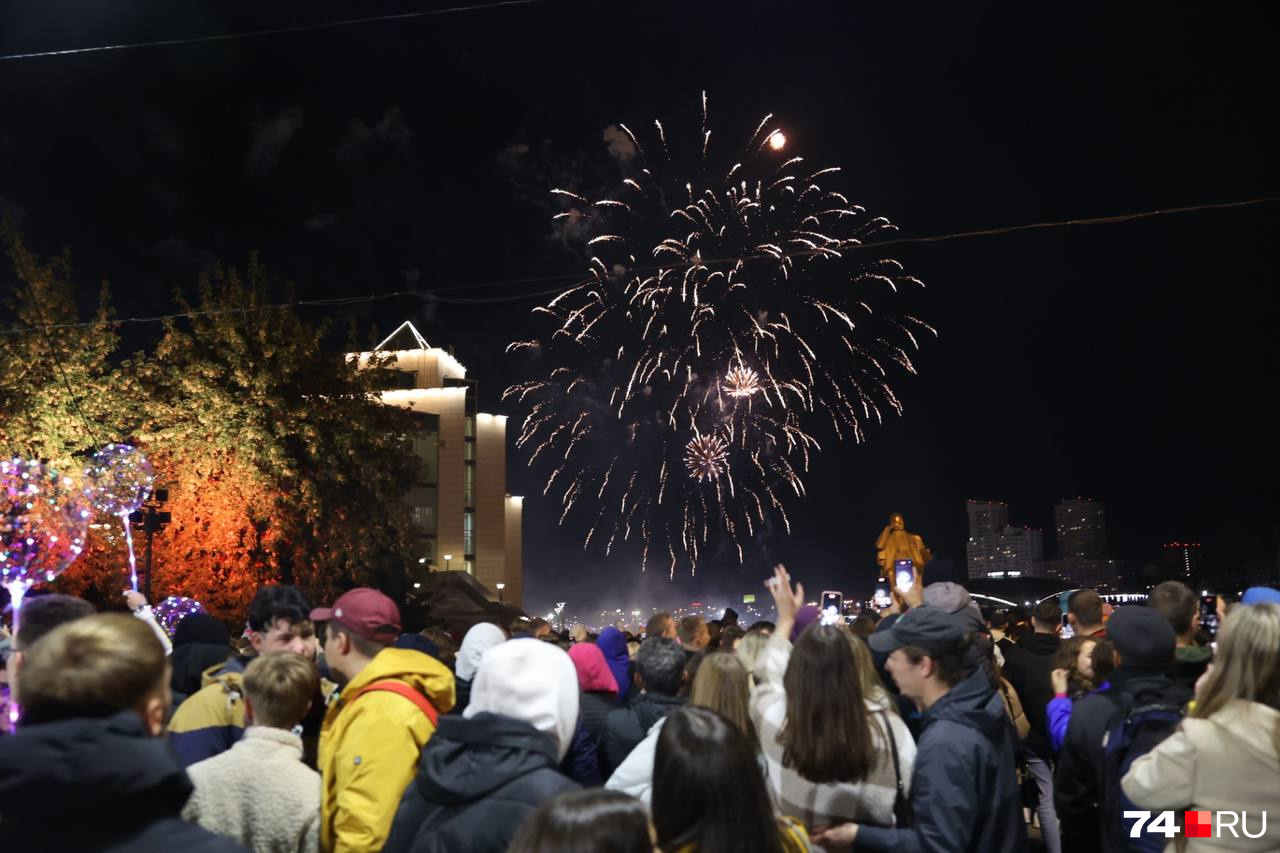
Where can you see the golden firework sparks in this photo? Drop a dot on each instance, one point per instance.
(721, 320)
(741, 381)
(706, 457)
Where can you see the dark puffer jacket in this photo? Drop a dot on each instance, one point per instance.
(96, 786)
(964, 788)
(626, 727)
(1078, 778)
(478, 780)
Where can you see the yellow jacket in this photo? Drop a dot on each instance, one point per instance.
(369, 748)
(212, 719)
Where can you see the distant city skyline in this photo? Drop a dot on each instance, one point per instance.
(998, 549)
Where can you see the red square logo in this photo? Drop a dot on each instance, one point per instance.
(1199, 824)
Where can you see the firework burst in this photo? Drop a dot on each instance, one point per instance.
(693, 267)
(705, 457)
(741, 382)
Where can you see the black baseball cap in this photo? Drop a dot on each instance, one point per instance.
(1142, 636)
(927, 627)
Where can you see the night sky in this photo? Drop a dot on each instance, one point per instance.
(1132, 363)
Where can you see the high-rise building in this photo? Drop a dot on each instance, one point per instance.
(464, 518)
(998, 550)
(1183, 559)
(1104, 575)
(1082, 529)
(1019, 553)
(986, 517)
(987, 520)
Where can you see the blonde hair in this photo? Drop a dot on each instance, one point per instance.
(722, 685)
(748, 650)
(1247, 665)
(280, 686)
(868, 677)
(93, 667)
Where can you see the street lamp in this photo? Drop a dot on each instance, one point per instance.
(447, 558)
(501, 587)
(152, 520)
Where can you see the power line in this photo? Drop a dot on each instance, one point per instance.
(300, 28)
(438, 294)
(1097, 220)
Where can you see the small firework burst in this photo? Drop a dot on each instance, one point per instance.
(741, 381)
(706, 457)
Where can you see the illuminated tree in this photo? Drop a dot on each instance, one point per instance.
(283, 464)
(41, 357)
(280, 462)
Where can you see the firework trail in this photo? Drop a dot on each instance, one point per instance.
(722, 322)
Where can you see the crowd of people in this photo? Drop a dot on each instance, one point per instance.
(932, 726)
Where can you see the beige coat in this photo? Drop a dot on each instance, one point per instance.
(1227, 762)
(259, 793)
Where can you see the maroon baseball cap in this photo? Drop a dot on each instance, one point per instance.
(365, 612)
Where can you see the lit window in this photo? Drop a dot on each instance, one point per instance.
(424, 518)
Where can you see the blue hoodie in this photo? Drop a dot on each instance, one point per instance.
(964, 788)
(614, 646)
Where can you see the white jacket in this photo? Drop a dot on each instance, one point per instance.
(259, 793)
(1226, 762)
(820, 804)
(634, 776)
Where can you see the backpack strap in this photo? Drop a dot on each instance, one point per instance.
(399, 687)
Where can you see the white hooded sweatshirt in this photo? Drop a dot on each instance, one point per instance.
(532, 681)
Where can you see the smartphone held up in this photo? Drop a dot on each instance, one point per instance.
(832, 607)
(882, 599)
(904, 575)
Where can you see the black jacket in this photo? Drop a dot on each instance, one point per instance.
(96, 785)
(626, 727)
(593, 711)
(1027, 666)
(478, 779)
(594, 708)
(964, 788)
(1077, 781)
(462, 696)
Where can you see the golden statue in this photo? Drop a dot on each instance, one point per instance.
(896, 543)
